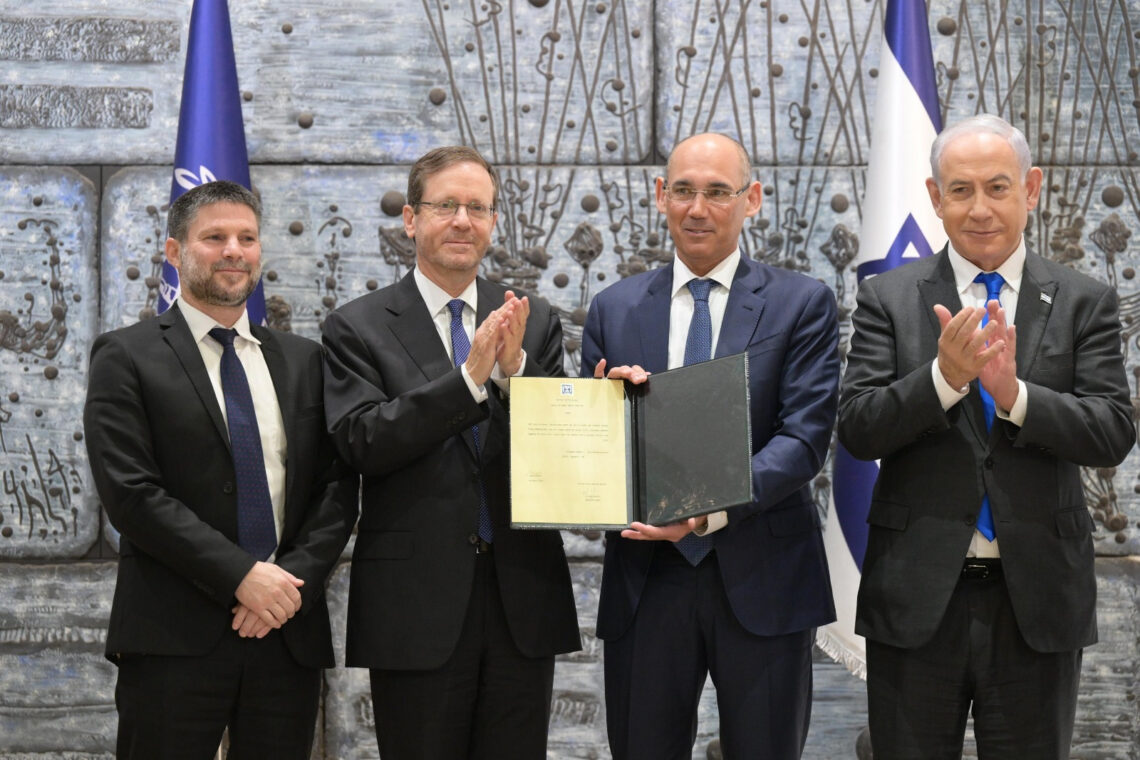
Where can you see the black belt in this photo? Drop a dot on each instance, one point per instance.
(976, 568)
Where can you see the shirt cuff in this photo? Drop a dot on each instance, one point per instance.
(948, 396)
(1016, 415)
(478, 392)
(502, 380)
(716, 521)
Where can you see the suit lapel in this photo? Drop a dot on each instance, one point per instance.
(177, 335)
(1034, 305)
(489, 298)
(413, 327)
(940, 288)
(651, 313)
(286, 399)
(743, 310)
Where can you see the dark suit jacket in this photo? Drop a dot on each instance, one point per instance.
(159, 452)
(401, 414)
(771, 552)
(937, 464)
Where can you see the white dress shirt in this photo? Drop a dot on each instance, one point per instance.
(681, 314)
(270, 424)
(974, 294)
(436, 299)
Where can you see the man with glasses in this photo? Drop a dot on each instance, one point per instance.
(457, 616)
(738, 594)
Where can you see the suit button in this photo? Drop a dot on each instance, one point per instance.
(989, 463)
(473, 539)
(227, 487)
(969, 519)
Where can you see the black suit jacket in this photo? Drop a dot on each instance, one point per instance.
(401, 414)
(770, 554)
(937, 464)
(159, 453)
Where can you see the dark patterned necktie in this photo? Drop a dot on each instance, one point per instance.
(460, 347)
(698, 348)
(993, 282)
(256, 531)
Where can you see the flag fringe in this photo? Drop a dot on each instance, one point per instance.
(841, 652)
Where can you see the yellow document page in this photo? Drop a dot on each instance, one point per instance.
(568, 453)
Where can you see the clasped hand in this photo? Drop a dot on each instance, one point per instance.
(499, 340)
(967, 351)
(268, 597)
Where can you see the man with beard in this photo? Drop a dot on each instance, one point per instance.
(457, 616)
(207, 443)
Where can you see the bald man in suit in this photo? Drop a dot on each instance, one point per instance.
(737, 595)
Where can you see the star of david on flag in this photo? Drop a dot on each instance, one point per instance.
(899, 224)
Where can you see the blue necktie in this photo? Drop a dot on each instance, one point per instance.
(460, 347)
(256, 531)
(698, 348)
(993, 282)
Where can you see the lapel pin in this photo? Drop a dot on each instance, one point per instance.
(1047, 298)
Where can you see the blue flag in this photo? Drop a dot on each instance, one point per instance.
(899, 224)
(211, 135)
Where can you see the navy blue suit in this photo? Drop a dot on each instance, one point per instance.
(769, 560)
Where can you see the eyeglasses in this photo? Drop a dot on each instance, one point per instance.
(718, 196)
(447, 209)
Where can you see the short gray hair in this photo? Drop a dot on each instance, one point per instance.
(983, 123)
(185, 209)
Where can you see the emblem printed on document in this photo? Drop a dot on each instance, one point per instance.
(567, 389)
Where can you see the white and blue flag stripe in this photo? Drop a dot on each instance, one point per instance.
(899, 224)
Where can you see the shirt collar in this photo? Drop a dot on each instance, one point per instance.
(201, 323)
(1010, 270)
(722, 273)
(436, 298)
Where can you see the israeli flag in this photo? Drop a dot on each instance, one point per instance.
(211, 134)
(899, 224)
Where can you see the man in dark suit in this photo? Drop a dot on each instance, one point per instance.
(740, 599)
(457, 616)
(229, 525)
(978, 589)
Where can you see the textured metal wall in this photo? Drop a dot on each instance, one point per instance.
(578, 103)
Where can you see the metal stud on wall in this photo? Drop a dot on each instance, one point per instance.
(578, 103)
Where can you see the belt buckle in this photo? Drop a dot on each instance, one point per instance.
(482, 547)
(975, 570)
